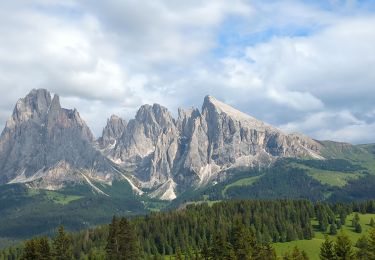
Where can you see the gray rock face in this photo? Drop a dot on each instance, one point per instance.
(112, 132)
(148, 146)
(198, 147)
(47, 146)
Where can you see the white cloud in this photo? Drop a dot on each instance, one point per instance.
(292, 64)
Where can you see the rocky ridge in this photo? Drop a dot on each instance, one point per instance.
(200, 146)
(49, 147)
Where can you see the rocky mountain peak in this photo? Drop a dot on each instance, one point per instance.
(112, 131)
(155, 114)
(39, 135)
(213, 108)
(33, 106)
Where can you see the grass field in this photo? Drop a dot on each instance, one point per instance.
(312, 247)
(245, 181)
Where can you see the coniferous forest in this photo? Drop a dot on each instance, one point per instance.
(244, 229)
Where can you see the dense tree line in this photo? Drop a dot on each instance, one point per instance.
(224, 230)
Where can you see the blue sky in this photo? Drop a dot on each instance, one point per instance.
(304, 66)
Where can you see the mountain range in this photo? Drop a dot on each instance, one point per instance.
(53, 171)
(48, 147)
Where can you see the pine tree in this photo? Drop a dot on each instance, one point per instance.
(265, 252)
(363, 250)
(358, 228)
(355, 220)
(112, 240)
(342, 218)
(323, 223)
(343, 247)
(221, 248)
(332, 229)
(326, 250)
(178, 254)
(296, 254)
(128, 244)
(243, 241)
(30, 251)
(371, 244)
(205, 252)
(44, 248)
(62, 245)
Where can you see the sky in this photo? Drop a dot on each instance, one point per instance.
(303, 66)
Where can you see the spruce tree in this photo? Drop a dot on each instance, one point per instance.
(62, 245)
(371, 244)
(296, 254)
(112, 240)
(343, 247)
(221, 248)
(363, 250)
(327, 251)
(129, 247)
(243, 241)
(355, 220)
(342, 218)
(358, 228)
(332, 229)
(205, 252)
(30, 251)
(44, 248)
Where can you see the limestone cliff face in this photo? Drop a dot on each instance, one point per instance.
(199, 147)
(47, 146)
(148, 146)
(112, 132)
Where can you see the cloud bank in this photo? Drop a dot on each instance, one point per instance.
(302, 66)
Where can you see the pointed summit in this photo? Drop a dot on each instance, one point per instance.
(112, 131)
(40, 137)
(212, 105)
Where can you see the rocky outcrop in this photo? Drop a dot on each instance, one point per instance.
(47, 146)
(112, 132)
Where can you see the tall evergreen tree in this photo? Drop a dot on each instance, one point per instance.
(112, 240)
(221, 248)
(363, 250)
(129, 248)
(62, 245)
(371, 244)
(332, 229)
(44, 248)
(343, 247)
(327, 251)
(243, 241)
(296, 254)
(355, 220)
(358, 228)
(30, 251)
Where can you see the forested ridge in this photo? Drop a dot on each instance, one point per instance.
(224, 230)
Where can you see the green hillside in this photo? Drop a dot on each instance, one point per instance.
(312, 247)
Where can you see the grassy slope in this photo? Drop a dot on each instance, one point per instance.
(332, 178)
(312, 247)
(27, 212)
